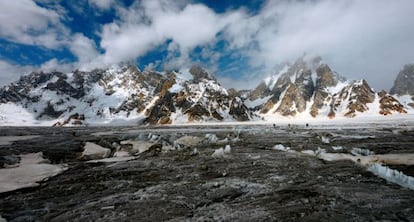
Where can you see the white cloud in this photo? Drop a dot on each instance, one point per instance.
(55, 65)
(369, 39)
(83, 48)
(148, 24)
(362, 39)
(102, 4)
(25, 22)
(10, 72)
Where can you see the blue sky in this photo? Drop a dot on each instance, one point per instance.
(239, 41)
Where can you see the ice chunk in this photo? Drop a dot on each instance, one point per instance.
(325, 139)
(93, 151)
(187, 141)
(337, 147)
(227, 149)
(222, 153)
(309, 152)
(363, 152)
(391, 175)
(281, 147)
(138, 146)
(121, 154)
(210, 138)
(218, 153)
(320, 151)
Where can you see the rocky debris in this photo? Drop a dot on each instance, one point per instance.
(404, 83)
(189, 184)
(93, 151)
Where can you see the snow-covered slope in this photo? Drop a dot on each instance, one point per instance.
(118, 95)
(309, 88)
(126, 95)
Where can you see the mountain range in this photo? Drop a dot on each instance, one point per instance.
(307, 88)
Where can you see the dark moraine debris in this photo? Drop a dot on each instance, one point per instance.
(252, 183)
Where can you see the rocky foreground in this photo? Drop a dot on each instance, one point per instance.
(212, 173)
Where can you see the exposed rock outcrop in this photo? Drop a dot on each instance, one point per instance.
(404, 83)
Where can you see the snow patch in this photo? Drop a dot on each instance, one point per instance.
(33, 168)
(253, 103)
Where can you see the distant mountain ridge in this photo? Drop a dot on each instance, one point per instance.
(404, 84)
(127, 95)
(311, 87)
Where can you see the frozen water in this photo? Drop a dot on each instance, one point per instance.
(93, 151)
(337, 148)
(325, 139)
(391, 175)
(227, 149)
(31, 170)
(359, 151)
(281, 147)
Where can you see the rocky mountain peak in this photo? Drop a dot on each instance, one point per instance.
(404, 83)
(199, 73)
(325, 77)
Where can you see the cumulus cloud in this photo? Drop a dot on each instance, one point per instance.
(84, 49)
(369, 39)
(148, 24)
(25, 22)
(361, 39)
(10, 72)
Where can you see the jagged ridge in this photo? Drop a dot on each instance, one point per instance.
(306, 87)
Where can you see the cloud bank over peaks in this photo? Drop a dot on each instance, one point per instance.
(369, 39)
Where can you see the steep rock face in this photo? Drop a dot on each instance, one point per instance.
(312, 86)
(292, 86)
(325, 78)
(260, 91)
(202, 99)
(292, 102)
(354, 98)
(404, 83)
(388, 104)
